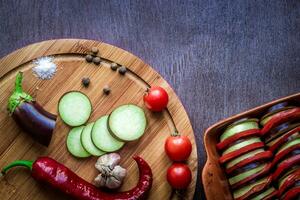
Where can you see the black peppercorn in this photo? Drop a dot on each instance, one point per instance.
(97, 60)
(122, 70)
(106, 89)
(85, 82)
(89, 58)
(95, 50)
(114, 66)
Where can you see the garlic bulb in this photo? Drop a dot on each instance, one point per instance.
(111, 175)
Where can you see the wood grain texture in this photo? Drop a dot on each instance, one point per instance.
(221, 57)
(129, 88)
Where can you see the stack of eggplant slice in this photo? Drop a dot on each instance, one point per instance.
(281, 134)
(247, 163)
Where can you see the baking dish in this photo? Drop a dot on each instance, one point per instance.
(214, 180)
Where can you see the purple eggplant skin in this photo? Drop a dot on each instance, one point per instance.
(30, 115)
(35, 121)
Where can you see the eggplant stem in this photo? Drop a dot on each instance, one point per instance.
(18, 83)
(18, 95)
(17, 163)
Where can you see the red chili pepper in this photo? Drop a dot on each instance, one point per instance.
(49, 171)
(280, 118)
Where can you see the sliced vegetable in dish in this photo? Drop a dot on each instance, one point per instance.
(293, 193)
(251, 157)
(248, 124)
(269, 193)
(279, 118)
(240, 149)
(127, 122)
(246, 177)
(30, 115)
(276, 143)
(74, 108)
(279, 131)
(74, 143)
(254, 188)
(102, 138)
(285, 150)
(87, 143)
(285, 165)
(288, 181)
(228, 141)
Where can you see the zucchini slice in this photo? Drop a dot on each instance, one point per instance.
(102, 138)
(87, 143)
(74, 108)
(74, 144)
(127, 122)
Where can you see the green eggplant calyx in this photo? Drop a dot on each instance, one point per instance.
(18, 96)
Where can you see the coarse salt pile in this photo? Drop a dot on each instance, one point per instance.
(44, 68)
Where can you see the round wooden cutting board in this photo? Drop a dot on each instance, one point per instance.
(69, 56)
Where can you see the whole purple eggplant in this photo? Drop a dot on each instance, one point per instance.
(30, 115)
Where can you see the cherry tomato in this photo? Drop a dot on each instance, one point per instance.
(156, 99)
(178, 148)
(179, 176)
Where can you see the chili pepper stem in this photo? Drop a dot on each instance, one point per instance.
(17, 163)
(18, 95)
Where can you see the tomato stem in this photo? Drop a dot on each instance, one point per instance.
(175, 133)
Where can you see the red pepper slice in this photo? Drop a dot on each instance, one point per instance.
(284, 153)
(280, 118)
(283, 139)
(257, 157)
(256, 189)
(290, 180)
(271, 196)
(292, 193)
(236, 153)
(252, 177)
(225, 143)
(286, 164)
(47, 170)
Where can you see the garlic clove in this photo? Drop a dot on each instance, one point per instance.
(100, 180)
(113, 183)
(119, 172)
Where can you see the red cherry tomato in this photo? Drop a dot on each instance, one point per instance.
(156, 99)
(178, 148)
(179, 176)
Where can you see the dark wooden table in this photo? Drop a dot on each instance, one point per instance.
(221, 57)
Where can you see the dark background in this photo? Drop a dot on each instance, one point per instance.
(221, 57)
